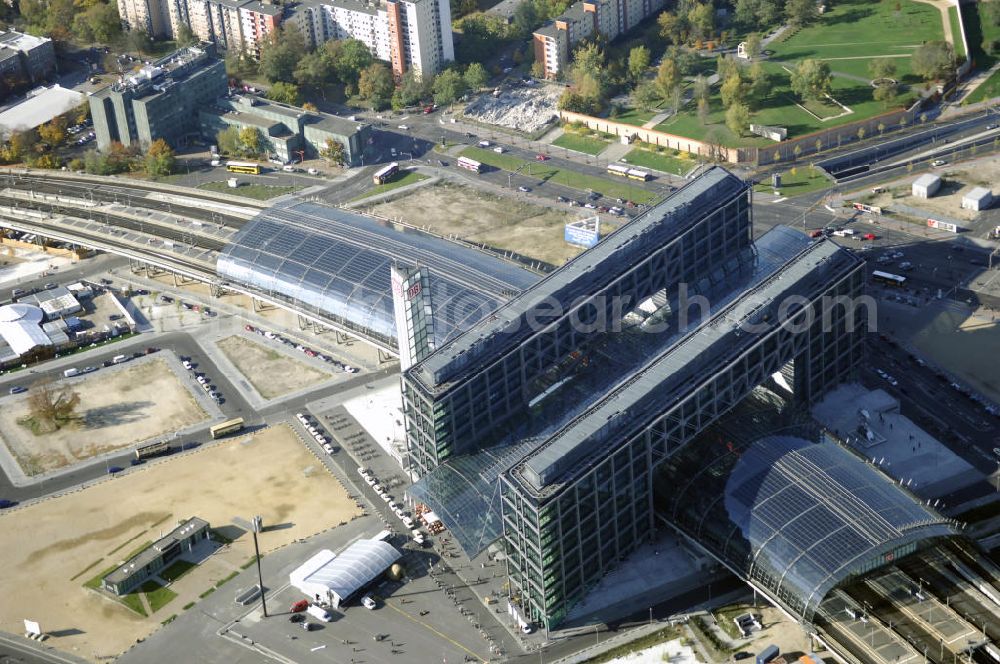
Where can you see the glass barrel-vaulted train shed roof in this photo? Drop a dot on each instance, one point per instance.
(336, 264)
(794, 516)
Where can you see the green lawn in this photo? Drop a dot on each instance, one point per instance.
(260, 192)
(585, 144)
(634, 116)
(778, 109)
(665, 162)
(956, 32)
(157, 595)
(176, 571)
(567, 178)
(803, 181)
(861, 30)
(403, 178)
(987, 90)
(133, 602)
(978, 30)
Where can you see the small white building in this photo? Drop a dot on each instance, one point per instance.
(926, 185)
(327, 577)
(977, 199)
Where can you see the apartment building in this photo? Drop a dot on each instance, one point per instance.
(231, 24)
(409, 34)
(555, 41)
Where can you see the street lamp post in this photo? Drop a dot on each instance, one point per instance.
(257, 527)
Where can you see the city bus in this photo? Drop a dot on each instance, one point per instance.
(618, 169)
(151, 449)
(888, 279)
(636, 174)
(386, 173)
(227, 427)
(470, 164)
(243, 167)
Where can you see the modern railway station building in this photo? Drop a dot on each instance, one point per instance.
(552, 439)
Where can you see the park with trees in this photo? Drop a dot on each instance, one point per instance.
(857, 59)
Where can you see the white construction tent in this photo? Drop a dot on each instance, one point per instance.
(333, 578)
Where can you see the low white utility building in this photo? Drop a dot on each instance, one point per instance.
(333, 579)
(926, 185)
(977, 199)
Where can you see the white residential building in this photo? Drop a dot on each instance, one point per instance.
(409, 34)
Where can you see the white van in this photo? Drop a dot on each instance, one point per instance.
(118, 359)
(498, 149)
(319, 613)
(71, 372)
(484, 144)
(368, 602)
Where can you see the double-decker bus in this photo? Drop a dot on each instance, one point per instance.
(227, 427)
(386, 173)
(470, 164)
(151, 449)
(636, 174)
(618, 169)
(243, 167)
(888, 279)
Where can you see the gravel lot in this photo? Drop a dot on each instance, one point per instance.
(271, 372)
(475, 216)
(119, 406)
(51, 548)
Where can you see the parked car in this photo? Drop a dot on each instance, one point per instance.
(4, 503)
(524, 189)
(299, 606)
(18, 389)
(938, 162)
(541, 157)
(312, 171)
(115, 469)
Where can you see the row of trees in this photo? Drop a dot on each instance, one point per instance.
(158, 160)
(350, 63)
(85, 20)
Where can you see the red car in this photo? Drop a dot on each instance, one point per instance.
(541, 157)
(816, 233)
(870, 236)
(249, 328)
(299, 606)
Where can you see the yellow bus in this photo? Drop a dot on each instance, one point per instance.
(227, 427)
(243, 167)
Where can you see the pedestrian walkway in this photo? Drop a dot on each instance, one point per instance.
(657, 119)
(942, 6)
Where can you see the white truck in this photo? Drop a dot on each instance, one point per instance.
(69, 373)
(319, 613)
(844, 232)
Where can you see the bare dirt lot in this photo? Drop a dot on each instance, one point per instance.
(476, 216)
(118, 407)
(271, 372)
(956, 181)
(51, 548)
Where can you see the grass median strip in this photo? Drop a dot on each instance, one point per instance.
(566, 178)
(584, 144)
(260, 192)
